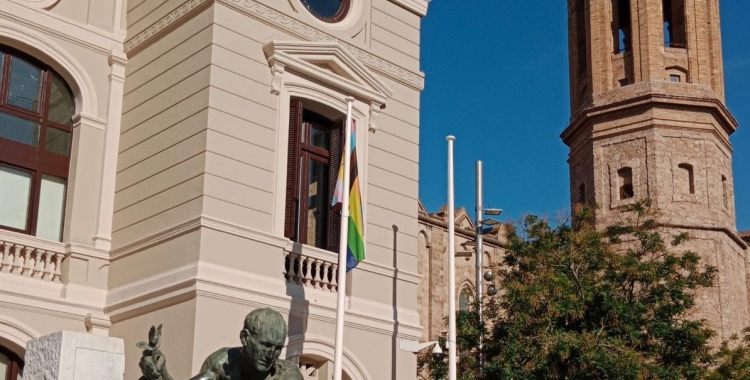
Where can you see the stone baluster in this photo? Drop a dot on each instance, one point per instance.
(29, 262)
(47, 275)
(39, 268)
(307, 272)
(288, 264)
(325, 268)
(17, 259)
(57, 274)
(334, 277)
(316, 266)
(4, 266)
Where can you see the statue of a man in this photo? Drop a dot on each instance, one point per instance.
(262, 339)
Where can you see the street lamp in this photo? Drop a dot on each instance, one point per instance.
(483, 226)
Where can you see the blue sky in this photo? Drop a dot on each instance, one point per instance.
(497, 79)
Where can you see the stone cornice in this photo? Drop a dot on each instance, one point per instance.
(288, 24)
(417, 6)
(716, 107)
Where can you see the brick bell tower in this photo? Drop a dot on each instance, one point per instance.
(649, 121)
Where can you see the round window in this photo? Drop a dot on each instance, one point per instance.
(330, 11)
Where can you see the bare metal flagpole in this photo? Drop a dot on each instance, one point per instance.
(451, 267)
(338, 356)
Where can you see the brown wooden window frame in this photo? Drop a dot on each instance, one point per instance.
(15, 364)
(35, 160)
(299, 157)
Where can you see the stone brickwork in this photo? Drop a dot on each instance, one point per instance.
(649, 121)
(432, 296)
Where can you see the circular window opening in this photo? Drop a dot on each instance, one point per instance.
(329, 11)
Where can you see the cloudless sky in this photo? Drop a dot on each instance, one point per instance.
(497, 79)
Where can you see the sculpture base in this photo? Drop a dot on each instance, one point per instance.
(68, 355)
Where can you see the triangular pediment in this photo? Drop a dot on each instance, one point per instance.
(463, 220)
(421, 209)
(331, 64)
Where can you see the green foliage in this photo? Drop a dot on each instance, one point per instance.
(581, 303)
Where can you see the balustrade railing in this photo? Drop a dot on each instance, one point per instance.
(27, 261)
(309, 271)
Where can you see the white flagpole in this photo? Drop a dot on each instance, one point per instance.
(451, 267)
(338, 357)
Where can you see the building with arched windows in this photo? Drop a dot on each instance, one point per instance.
(173, 161)
(649, 121)
(433, 265)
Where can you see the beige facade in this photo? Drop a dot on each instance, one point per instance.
(175, 209)
(649, 121)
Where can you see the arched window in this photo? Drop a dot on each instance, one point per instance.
(582, 194)
(315, 148)
(36, 120)
(465, 298)
(621, 30)
(625, 177)
(10, 365)
(675, 34)
(687, 177)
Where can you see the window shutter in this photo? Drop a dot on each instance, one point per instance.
(292, 170)
(334, 215)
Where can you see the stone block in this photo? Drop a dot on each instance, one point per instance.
(68, 355)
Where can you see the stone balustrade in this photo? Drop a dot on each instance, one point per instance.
(307, 270)
(28, 261)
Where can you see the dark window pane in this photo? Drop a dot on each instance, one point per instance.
(58, 141)
(60, 103)
(25, 85)
(19, 130)
(319, 136)
(323, 8)
(2, 62)
(317, 204)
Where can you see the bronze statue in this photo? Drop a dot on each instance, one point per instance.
(262, 339)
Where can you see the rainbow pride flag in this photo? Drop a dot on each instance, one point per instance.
(355, 251)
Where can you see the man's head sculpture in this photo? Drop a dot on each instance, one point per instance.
(263, 338)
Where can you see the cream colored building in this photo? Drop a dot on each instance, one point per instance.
(171, 161)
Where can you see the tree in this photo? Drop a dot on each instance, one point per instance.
(578, 302)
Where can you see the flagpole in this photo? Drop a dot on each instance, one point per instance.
(451, 267)
(341, 282)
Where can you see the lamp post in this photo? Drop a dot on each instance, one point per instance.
(481, 223)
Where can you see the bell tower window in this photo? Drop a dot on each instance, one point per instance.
(674, 23)
(687, 177)
(625, 177)
(621, 26)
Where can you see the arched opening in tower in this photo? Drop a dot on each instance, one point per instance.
(675, 35)
(621, 26)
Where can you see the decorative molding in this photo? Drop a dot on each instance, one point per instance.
(288, 24)
(277, 70)
(417, 6)
(375, 109)
(231, 285)
(309, 344)
(163, 23)
(17, 332)
(41, 4)
(331, 64)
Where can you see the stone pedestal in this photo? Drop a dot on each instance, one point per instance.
(68, 355)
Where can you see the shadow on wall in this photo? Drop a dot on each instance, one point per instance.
(299, 307)
(394, 339)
